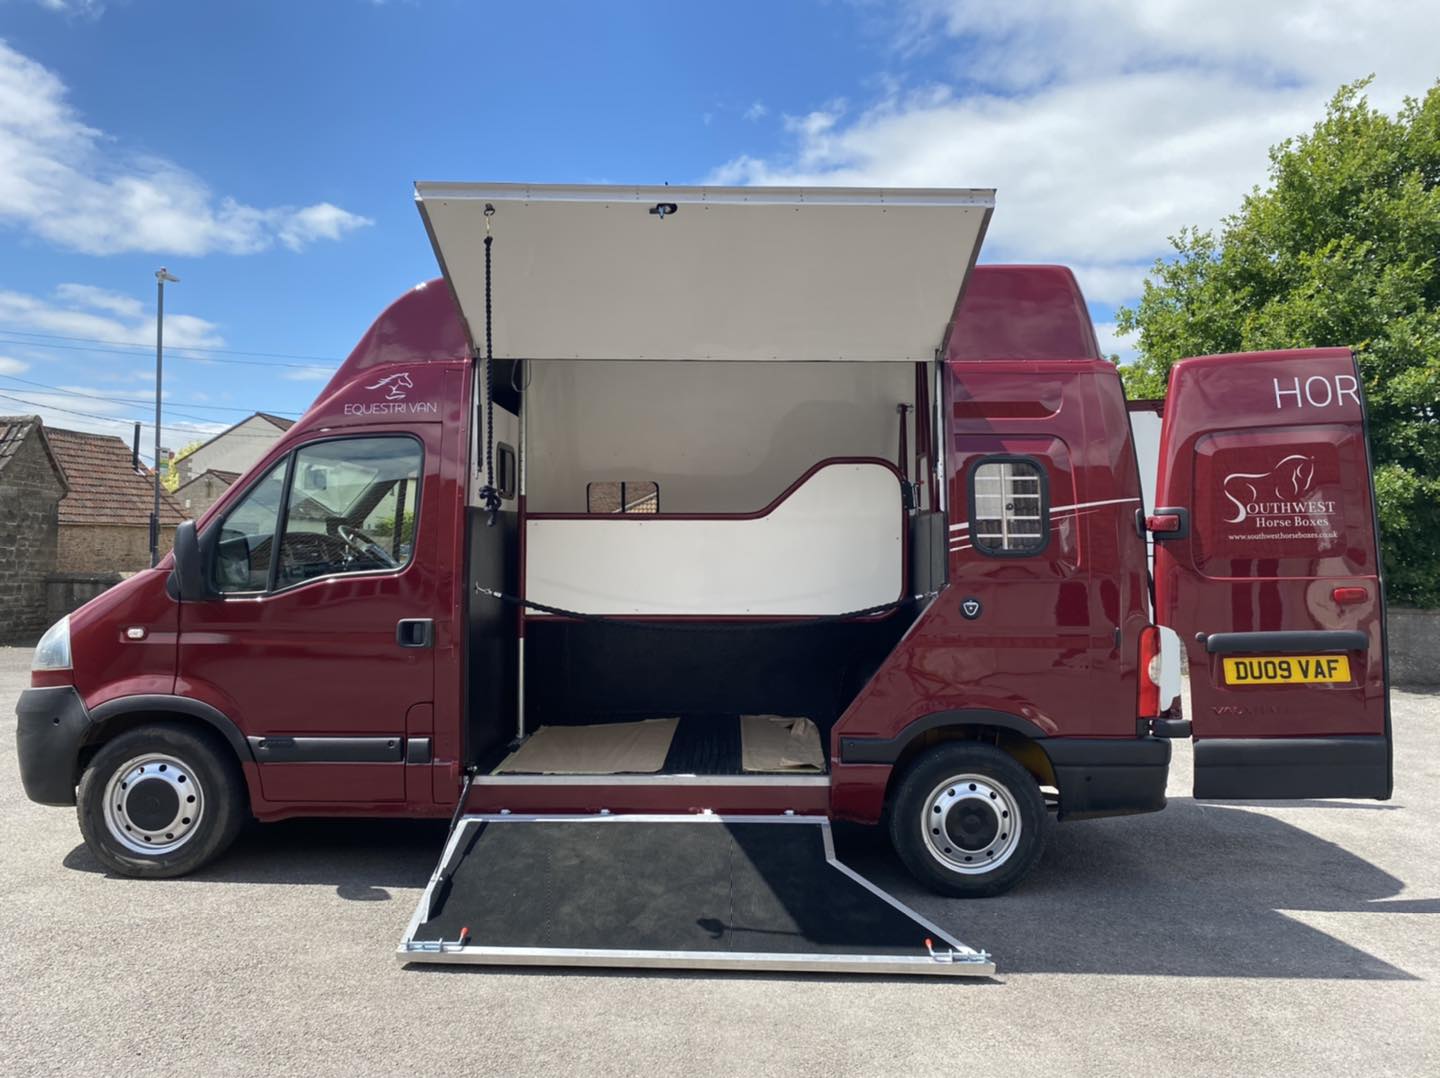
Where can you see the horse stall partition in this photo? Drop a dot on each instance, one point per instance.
(719, 526)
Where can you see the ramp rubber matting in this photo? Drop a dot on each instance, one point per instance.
(692, 891)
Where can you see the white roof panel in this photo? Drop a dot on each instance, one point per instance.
(748, 273)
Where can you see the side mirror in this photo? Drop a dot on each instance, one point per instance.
(188, 580)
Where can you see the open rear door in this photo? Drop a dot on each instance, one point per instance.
(1266, 564)
(675, 892)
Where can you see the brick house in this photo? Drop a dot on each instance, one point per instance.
(200, 493)
(234, 449)
(32, 483)
(105, 517)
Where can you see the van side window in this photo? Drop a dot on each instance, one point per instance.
(247, 536)
(1009, 507)
(351, 508)
(622, 497)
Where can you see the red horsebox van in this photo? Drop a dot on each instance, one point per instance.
(672, 524)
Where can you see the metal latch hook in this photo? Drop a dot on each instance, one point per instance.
(939, 956)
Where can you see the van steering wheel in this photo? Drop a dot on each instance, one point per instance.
(363, 545)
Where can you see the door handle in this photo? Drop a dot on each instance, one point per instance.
(415, 632)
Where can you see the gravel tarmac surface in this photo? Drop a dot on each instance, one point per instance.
(1254, 938)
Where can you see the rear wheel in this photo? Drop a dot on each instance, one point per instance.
(160, 801)
(968, 820)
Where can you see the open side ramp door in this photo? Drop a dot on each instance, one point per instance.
(1267, 565)
(672, 892)
(707, 273)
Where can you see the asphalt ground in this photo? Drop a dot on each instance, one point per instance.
(1257, 938)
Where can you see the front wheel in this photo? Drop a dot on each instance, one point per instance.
(160, 801)
(968, 820)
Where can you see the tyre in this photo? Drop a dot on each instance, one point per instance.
(968, 820)
(160, 801)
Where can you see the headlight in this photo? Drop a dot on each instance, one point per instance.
(53, 651)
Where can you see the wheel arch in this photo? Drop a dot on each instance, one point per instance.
(1017, 737)
(125, 713)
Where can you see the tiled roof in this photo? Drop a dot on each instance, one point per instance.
(279, 421)
(225, 477)
(104, 488)
(14, 429)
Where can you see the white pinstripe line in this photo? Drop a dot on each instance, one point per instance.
(1062, 509)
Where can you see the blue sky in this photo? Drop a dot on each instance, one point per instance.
(264, 151)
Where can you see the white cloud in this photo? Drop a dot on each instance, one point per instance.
(101, 315)
(1113, 343)
(87, 9)
(756, 112)
(307, 374)
(103, 411)
(12, 366)
(1104, 128)
(87, 295)
(322, 221)
(66, 183)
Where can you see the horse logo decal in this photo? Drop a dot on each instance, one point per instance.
(394, 385)
(1288, 483)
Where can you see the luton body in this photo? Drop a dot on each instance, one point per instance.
(756, 504)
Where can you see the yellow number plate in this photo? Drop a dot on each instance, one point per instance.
(1289, 670)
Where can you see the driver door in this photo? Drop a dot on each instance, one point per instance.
(321, 641)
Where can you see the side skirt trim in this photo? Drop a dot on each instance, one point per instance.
(327, 750)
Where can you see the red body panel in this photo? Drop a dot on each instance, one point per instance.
(1055, 642)
(1268, 454)
(107, 663)
(1052, 640)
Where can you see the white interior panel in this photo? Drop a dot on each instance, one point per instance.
(715, 437)
(835, 544)
(731, 274)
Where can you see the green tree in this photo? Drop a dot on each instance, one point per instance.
(1340, 248)
(170, 471)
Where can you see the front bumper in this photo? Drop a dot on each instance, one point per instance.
(51, 725)
(1108, 776)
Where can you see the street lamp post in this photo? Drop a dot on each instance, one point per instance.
(161, 276)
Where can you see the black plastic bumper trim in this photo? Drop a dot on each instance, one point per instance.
(1298, 640)
(1170, 727)
(1108, 776)
(327, 750)
(51, 723)
(1284, 768)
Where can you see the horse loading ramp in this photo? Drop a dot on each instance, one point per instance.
(671, 892)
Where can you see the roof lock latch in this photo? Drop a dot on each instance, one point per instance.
(663, 209)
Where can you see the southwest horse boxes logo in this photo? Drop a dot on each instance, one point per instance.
(1280, 503)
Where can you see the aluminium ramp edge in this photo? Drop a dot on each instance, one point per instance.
(668, 892)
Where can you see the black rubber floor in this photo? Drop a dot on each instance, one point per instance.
(754, 887)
